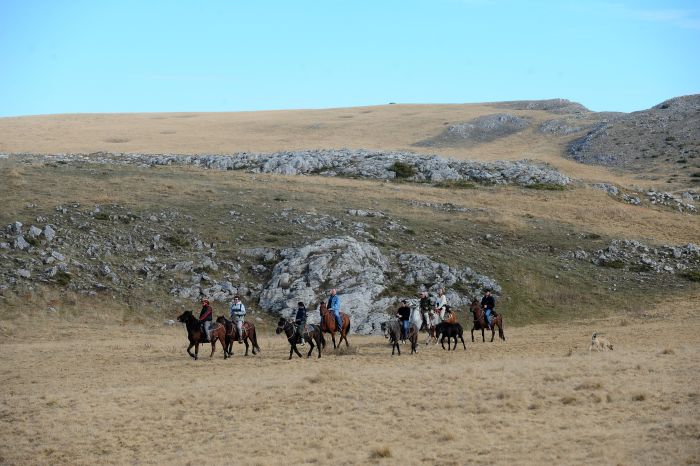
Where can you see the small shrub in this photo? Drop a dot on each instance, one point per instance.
(639, 397)
(667, 351)
(691, 275)
(568, 400)
(101, 216)
(696, 175)
(546, 187)
(641, 267)
(612, 263)
(62, 278)
(178, 241)
(403, 169)
(380, 452)
(32, 241)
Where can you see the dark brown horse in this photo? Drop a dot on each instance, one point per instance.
(232, 335)
(480, 321)
(312, 334)
(328, 325)
(195, 334)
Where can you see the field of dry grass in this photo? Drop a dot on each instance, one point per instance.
(386, 127)
(88, 390)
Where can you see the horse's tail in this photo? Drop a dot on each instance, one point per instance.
(501, 335)
(254, 338)
(348, 329)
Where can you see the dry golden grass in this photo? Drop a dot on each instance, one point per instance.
(387, 127)
(85, 391)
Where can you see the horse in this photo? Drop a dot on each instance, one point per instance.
(450, 331)
(416, 318)
(328, 325)
(392, 331)
(218, 333)
(480, 321)
(232, 335)
(312, 334)
(195, 333)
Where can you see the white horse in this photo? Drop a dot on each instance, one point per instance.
(415, 318)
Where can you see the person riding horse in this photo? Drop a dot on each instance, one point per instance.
(237, 311)
(425, 307)
(205, 318)
(300, 320)
(488, 303)
(334, 306)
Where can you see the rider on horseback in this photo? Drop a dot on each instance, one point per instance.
(237, 311)
(300, 320)
(488, 303)
(334, 305)
(205, 318)
(425, 307)
(441, 304)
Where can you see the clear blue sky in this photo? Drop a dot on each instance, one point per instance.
(149, 56)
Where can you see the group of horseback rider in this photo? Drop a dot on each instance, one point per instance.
(237, 313)
(427, 306)
(439, 307)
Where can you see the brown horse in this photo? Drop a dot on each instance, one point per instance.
(195, 334)
(218, 333)
(232, 335)
(328, 325)
(480, 321)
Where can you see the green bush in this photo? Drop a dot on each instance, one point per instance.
(692, 275)
(612, 263)
(403, 170)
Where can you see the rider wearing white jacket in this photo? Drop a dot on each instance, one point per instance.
(237, 311)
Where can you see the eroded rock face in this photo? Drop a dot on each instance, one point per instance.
(307, 274)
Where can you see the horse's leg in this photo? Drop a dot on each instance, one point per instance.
(483, 339)
(291, 350)
(311, 345)
(190, 352)
(473, 328)
(493, 332)
(296, 350)
(333, 338)
(461, 337)
(196, 351)
(245, 340)
(500, 331)
(213, 348)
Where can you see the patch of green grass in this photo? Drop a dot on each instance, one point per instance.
(546, 187)
(403, 170)
(62, 278)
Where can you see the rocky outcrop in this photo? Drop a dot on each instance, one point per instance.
(361, 273)
(351, 163)
(480, 130)
(638, 257)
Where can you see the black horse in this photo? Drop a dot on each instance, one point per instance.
(450, 331)
(312, 334)
(195, 333)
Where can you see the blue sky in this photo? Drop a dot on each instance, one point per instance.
(149, 56)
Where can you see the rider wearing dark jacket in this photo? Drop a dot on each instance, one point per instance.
(300, 320)
(205, 317)
(404, 315)
(488, 304)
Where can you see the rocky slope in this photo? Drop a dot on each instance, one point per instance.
(667, 135)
